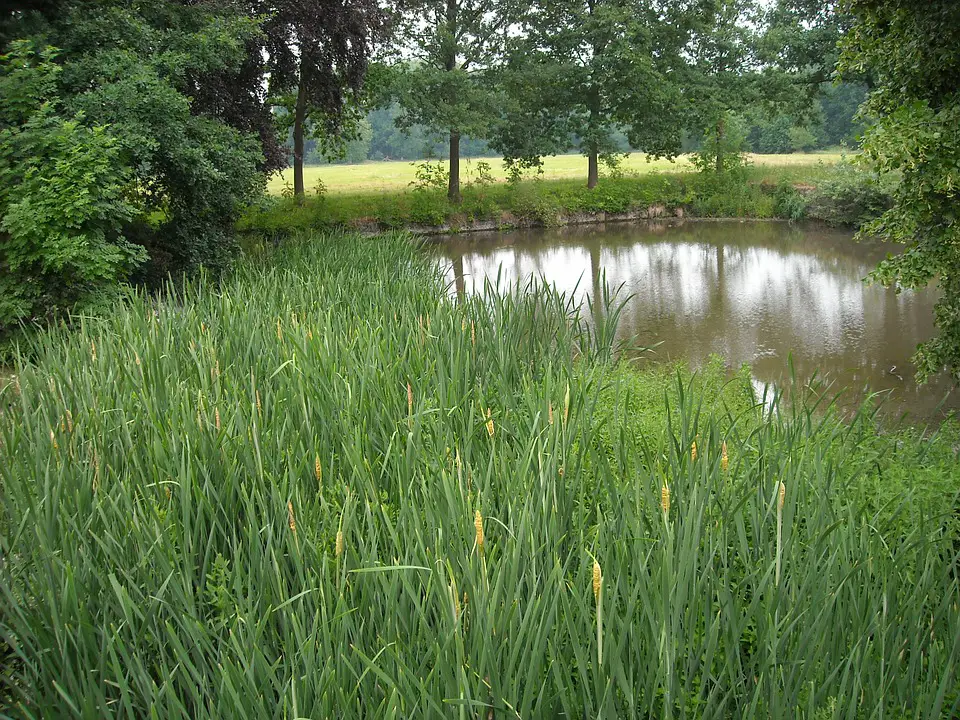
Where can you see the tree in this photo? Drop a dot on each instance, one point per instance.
(445, 85)
(133, 101)
(317, 55)
(910, 49)
(725, 75)
(587, 69)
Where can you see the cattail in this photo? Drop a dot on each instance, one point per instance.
(489, 423)
(53, 440)
(597, 580)
(259, 408)
(566, 404)
(724, 459)
(473, 333)
(291, 518)
(550, 413)
(409, 399)
(169, 492)
(63, 424)
(279, 330)
(69, 421)
(781, 494)
(665, 499)
(317, 470)
(693, 451)
(338, 548)
(216, 418)
(95, 459)
(455, 602)
(478, 526)
(93, 351)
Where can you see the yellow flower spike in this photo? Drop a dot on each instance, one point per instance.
(597, 580)
(63, 424)
(291, 518)
(693, 451)
(665, 499)
(317, 470)
(216, 418)
(781, 496)
(490, 429)
(409, 399)
(473, 333)
(338, 548)
(53, 440)
(566, 404)
(279, 329)
(478, 526)
(259, 408)
(724, 458)
(69, 421)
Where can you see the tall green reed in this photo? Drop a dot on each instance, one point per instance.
(325, 488)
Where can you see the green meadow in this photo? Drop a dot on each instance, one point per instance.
(400, 174)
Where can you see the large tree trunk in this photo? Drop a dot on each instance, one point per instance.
(720, 145)
(299, 120)
(453, 191)
(593, 168)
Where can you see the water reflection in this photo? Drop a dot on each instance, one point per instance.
(752, 292)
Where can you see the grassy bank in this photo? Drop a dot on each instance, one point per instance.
(757, 192)
(400, 174)
(325, 489)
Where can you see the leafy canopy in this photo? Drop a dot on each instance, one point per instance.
(910, 48)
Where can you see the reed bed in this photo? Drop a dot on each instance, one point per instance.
(325, 488)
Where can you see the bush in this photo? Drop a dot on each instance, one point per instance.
(849, 195)
(63, 199)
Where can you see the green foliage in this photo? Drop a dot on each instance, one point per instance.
(64, 198)
(850, 194)
(289, 529)
(723, 151)
(912, 52)
(590, 71)
(750, 192)
(115, 152)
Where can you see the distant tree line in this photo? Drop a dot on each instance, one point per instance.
(831, 123)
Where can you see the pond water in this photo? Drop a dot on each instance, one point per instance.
(752, 292)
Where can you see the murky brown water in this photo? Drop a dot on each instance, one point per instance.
(753, 292)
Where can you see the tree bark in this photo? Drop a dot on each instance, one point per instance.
(593, 168)
(299, 120)
(720, 145)
(453, 191)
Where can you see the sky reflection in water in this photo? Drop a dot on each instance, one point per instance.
(754, 292)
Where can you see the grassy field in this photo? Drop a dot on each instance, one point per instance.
(375, 176)
(760, 191)
(326, 489)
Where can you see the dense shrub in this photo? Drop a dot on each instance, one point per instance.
(849, 195)
(64, 198)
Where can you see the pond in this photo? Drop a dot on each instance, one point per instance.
(758, 293)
